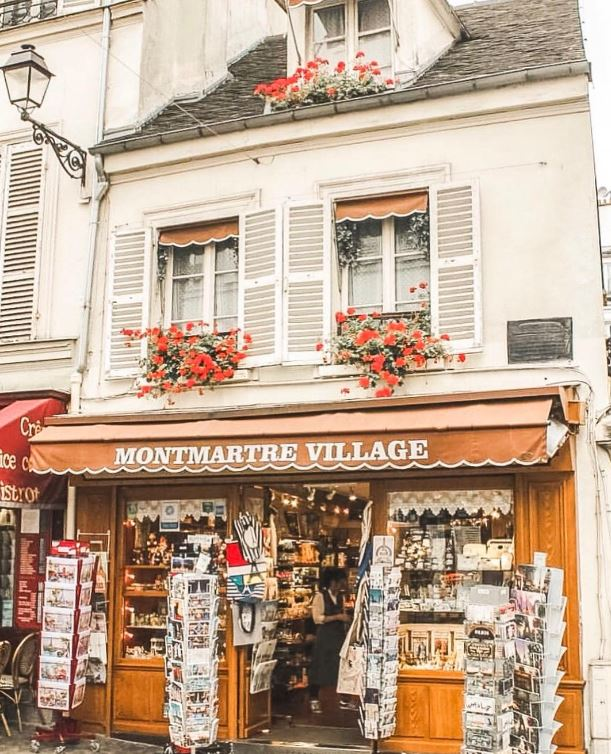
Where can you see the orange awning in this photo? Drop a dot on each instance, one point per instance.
(199, 234)
(381, 207)
(487, 433)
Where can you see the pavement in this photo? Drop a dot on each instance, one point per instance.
(19, 743)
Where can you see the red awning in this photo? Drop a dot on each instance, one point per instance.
(20, 421)
(202, 234)
(295, 3)
(488, 433)
(381, 207)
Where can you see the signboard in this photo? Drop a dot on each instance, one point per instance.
(20, 487)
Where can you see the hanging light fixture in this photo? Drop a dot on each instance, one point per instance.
(352, 496)
(27, 79)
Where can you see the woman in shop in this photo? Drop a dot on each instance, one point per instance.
(330, 619)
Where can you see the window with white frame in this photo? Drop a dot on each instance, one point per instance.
(202, 275)
(384, 252)
(340, 30)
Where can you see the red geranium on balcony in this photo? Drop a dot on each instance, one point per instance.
(386, 351)
(180, 359)
(318, 82)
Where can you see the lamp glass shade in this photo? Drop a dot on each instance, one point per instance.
(27, 79)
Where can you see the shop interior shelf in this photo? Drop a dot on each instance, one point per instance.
(131, 593)
(145, 628)
(129, 567)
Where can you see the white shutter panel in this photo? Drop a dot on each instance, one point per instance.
(261, 285)
(455, 264)
(20, 240)
(305, 281)
(71, 6)
(128, 300)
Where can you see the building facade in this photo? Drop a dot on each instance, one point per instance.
(221, 209)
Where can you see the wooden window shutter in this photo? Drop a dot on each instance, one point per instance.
(455, 264)
(260, 271)
(20, 240)
(305, 281)
(128, 299)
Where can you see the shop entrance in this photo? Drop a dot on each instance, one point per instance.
(318, 529)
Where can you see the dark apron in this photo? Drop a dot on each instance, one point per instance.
(324, 665)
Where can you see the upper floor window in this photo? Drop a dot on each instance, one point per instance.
(202, 274)
(17, 12)
(384, 250)
(340, 30)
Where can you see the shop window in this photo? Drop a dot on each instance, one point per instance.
(341, 30)
(384, 252)
(158, 535)
(201, 267)
(446, 542)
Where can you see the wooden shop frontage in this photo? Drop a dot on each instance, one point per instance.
(468, 486)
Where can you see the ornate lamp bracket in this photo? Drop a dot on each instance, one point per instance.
(71, 157)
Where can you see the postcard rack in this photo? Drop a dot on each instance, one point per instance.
(192, 662)
(64, 642)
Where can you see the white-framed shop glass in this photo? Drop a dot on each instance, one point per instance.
(203, 284)
(340, 30)
(389, 265)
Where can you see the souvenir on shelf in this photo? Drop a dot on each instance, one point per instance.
(192, 658)
(540, 605)
(489, 660)
(66, 620)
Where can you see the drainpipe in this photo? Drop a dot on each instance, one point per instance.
(100, 187)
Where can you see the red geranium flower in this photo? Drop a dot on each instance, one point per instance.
(383, 392)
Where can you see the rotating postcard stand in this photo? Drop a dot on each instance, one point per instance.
(64, 642)
(191, 661)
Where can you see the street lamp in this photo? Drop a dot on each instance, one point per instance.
(27, 79)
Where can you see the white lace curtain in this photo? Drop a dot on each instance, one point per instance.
(451, 501)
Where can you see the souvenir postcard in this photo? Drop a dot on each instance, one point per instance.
(60, 595)
(85, 595)
(78, 693)
(264, 651)
(54, 696)
(529, 603)
(82, 646)
(84, 619)
(56, 645)
(260, 680)
(55, 669)
(64, 570)
(58, 620)
(484, 705)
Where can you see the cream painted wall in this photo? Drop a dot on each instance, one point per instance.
(526, 166)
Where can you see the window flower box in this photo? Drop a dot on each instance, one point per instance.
(193, 358)
(318, 82)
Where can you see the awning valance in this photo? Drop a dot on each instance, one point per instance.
(477, 434)
(20, 487)
(295, 3)
(381, 207)
(199, 234)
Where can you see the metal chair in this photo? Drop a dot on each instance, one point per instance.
(5, 653)
(21, 676)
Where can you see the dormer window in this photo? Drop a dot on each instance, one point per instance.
(340, 30)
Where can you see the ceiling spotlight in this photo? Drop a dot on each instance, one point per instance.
(294, 502)
(323, 508)
(285, 500)
(331, 494)
(311, 494)
(346, 511)
(352, 496)
(336, 510)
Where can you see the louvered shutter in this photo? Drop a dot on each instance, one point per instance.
(261, 285)
(71, 6)
(455, 264)
(305, 281)
(20, 240)
(128, 299)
